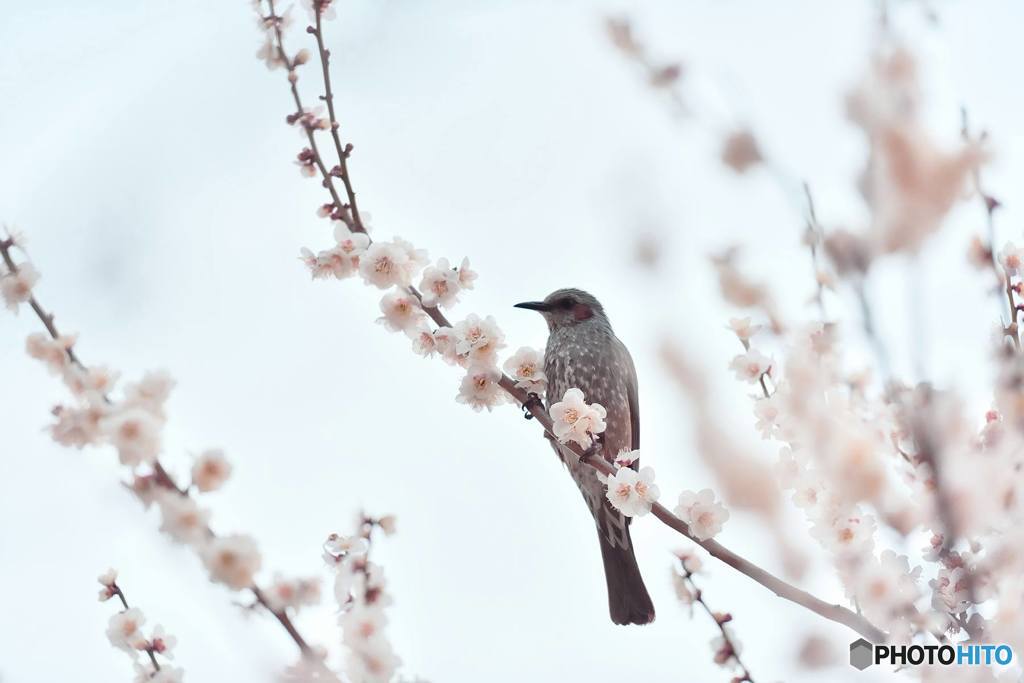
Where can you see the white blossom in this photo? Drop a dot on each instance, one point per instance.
(150, 393)
(52, 352)
(292, 593)
(135, 433)
(1012, 258)
(162, 642)
(232, 560)
(210, 470)
(352, 244)
(848, 533)
(750, 366)
(574, 420)
(423, 342)
(385, 265)
(701, 513)
(478, 340)
(182, 518)
(467, 276)
(526, 366)
(401, 311)
(440, 285)
(480, 388)
(124, 630)
(336, 544)
(16, 287)
(78, 427)
(632, 493)
(743, 328)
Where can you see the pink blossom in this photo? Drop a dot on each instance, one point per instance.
(402, 311)
(232, 560)
(632, 493)
(440, 285)
(480, 388)
(750, 366)
(526, 366)
(701, 513)
(16, 287)
(575, 420)
(135, 433)
(210, 470)
(52, 352)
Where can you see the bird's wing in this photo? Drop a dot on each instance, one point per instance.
(632, 397)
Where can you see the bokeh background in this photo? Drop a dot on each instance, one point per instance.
(144, 152)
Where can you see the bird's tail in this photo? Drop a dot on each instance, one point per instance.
(628, 601)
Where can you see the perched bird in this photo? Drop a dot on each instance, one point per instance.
(583, 353)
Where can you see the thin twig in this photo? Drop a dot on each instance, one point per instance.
(116, 590)
(720, 619)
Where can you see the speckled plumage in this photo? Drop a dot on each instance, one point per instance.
(583, 352)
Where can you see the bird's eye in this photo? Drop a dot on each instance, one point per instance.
(566, 304)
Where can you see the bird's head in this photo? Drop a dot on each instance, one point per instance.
(568, 307)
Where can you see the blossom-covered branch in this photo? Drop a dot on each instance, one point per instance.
(125, 633)
(472, 343)
(133, 426)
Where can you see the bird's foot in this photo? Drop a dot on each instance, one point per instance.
(532, 401)
(591, 451)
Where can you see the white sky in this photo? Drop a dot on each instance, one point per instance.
(144, 152)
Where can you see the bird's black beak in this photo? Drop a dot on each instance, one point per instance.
(534, 306)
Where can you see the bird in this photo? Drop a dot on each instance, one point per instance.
(583, 352)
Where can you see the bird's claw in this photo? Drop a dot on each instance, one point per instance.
(590, 452)
(532, 400)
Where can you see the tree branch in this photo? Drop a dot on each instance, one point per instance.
(161, 476)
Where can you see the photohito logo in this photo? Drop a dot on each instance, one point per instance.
(863, 654)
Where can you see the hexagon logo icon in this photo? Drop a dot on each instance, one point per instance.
(861, 654)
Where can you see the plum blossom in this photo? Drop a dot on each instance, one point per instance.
(328, 263)
(292, 593)
(232, 560)
(401, 311)
(385, 265)
(444, 344)
(78, 427)
(150, 393)
(632, 493)
(96, 380)
(701, 513)
(440, 285)
(478, 340)
(135, 433)
(574, 420)
(951, 590)
(848, 534)
(336, 544)
(526, 366)
(886, 588)
(423, 342)
(750, 366)
(743, 328)
(768, 415)
(52, 352)
(352, 244)
(1012, 258)
(162, 642)
(124, 630)
(183, 519)
(210, 470)
(480, 388)
(467, 276)
(16, 286)
(108, 580)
